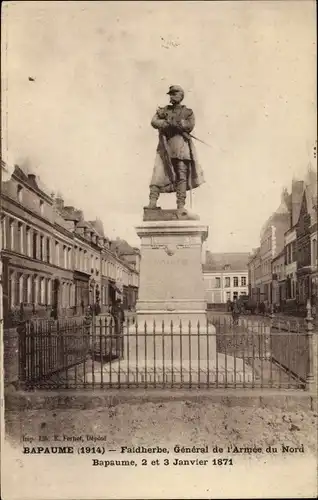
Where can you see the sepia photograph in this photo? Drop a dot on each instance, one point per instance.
(159, 259)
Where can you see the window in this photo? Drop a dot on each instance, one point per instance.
(41, 207)
(48, 250)
(228, 295)
(69, 258)
(72, 295)
(235, 295)
(19, 193)
(4, 231)
(20, 293)
(293, 250)
(35, 245)
(20, 238)
(28, 242)
(64, 256)
(217, 282)
(41, 248)
(12, 289)
(42, 291)
(29, 290)
(35, 290)
(12, 239)
(227, 282)
(75, 258)
(243, 280)
(49, 291)
(57, 254)
(24, 289)
(235, 281)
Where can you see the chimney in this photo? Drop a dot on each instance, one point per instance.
(59, 203)
(32, 180)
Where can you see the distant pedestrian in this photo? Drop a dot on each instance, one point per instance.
(262, 308)
(118, 315)
(236, 311)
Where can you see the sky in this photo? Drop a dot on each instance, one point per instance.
(100, 71)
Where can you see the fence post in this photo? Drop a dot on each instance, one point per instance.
(268, 334)
(311, 380)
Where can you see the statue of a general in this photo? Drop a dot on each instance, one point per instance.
(176, 167)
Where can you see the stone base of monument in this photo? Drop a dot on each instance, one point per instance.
(177, 344)
(171, 359)
(171, 279)
(220, 370)
(171, 291)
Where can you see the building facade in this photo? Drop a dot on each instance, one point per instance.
(290, 263)
(225, 277)
(254, 276)
(306, 242)
(278, 279)
(286, 257)
(271, 245)
(37, 250)
(314, 252)
(54, 262)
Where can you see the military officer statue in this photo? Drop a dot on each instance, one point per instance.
(176, 168)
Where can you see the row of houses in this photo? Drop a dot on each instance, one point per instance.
(54, 262)
(283, 270)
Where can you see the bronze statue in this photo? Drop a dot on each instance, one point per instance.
(176, 167)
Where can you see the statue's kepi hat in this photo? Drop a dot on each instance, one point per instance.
(175, 88)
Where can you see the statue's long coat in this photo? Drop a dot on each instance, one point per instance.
(163, 173)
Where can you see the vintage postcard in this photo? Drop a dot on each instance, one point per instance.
(159, 265)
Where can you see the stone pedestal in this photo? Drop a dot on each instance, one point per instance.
(171, 280)
(171, 290)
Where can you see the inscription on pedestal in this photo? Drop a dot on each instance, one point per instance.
(182, 262)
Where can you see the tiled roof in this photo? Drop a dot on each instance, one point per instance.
(218, 261)
(122, 247)
(98, 227)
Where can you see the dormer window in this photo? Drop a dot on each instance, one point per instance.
(19, 193)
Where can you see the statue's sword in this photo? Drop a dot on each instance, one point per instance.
(199, 140)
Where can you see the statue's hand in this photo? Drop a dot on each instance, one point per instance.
(173, 122)
(179, 124)
(164, 124)
(161, 113)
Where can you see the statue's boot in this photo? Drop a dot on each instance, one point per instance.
(182, 213)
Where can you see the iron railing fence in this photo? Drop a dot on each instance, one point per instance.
(101, 353)
(285, 342)
(49, 346)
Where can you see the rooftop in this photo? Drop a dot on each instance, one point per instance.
(226, 261)
(121, 247)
